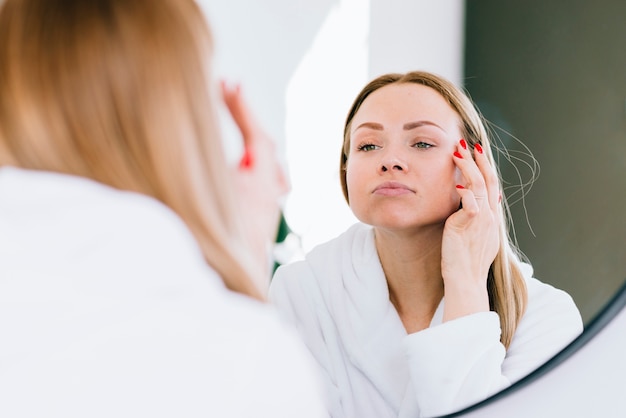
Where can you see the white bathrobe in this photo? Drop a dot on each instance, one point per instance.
(108, 309)
(339, 301)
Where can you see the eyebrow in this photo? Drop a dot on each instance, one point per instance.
(420, 123)
(407, 126)
(370, 125)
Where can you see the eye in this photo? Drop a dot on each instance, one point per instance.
(422, 144)
(367, 147)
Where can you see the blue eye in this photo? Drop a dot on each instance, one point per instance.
(421, 144)
(367, 147)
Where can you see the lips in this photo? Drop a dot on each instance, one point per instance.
(392, 188)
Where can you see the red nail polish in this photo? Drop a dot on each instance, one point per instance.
(478, 148)
(457, 154)
(463, 143)
(458, 186)
(246, 161)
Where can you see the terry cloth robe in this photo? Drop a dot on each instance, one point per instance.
(108, 309)
(339, 301)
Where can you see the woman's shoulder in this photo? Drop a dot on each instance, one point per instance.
(551, 321)
(542, 295)
(333, 250)
(105, 243)
(72, 212)
(341, 245)
(549, 308)
(321, 266)
(73, 199)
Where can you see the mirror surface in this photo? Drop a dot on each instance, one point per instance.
(552, 74)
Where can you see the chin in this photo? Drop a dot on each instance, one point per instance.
(391, 222)
(403, 221)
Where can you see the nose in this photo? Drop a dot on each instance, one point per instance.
(392, 163)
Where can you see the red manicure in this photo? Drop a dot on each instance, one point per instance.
(478, 148)
(457, 154)
(463, 143)
(458, 186)
(246, 161)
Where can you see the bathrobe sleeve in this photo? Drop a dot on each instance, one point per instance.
(456, 363)
(460, 362)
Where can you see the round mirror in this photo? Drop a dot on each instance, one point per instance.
(551, 76)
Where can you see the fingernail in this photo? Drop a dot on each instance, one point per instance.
(457, 154)
(499, 198)
(478, 148)
(246, 160)
(458, 186)
(463, 143)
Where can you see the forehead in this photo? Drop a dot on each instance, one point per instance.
(406, 102)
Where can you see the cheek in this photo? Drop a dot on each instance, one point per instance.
(355, 175)
(444, 173)
(458, 177)
(354, 183)
(351, 187)
(449, 177)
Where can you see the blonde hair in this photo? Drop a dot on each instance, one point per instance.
(505, 284)
(120, 91)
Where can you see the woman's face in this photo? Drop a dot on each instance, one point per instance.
(400, 171)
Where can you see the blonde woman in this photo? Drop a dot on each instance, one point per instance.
(425, 306)
(133, 256)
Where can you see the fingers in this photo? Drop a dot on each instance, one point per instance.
(490, 176)
(482, 179)
(238, 108)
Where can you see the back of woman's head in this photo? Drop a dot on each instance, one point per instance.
(120, 91)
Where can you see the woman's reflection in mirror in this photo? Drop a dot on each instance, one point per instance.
(426, 305)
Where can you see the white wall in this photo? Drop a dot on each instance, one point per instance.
(301, 62)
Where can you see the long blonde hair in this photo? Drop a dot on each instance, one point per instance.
(506, 284)
(120, 91)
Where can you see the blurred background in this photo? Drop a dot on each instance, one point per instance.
(551, 77)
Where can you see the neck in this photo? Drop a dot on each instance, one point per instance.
(412, 266)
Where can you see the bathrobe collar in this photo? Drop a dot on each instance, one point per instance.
(368, 324)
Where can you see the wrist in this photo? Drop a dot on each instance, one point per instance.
(465, 300)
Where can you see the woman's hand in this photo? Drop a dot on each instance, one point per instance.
(260, 179)
(471, 235)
